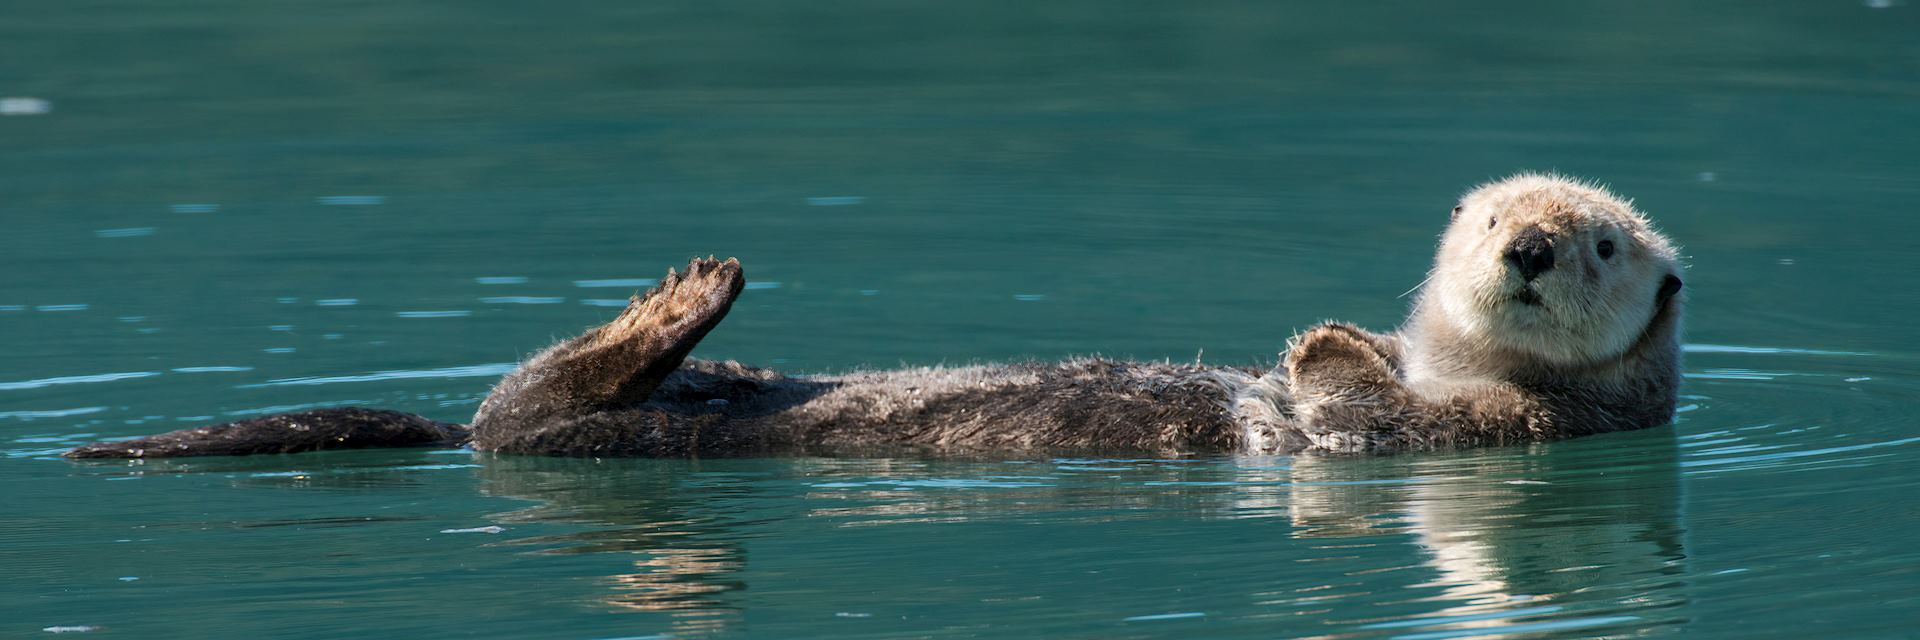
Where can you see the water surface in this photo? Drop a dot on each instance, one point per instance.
(222, 209)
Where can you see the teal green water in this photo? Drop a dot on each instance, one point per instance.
(219, 209)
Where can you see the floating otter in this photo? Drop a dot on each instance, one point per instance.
(1553, 310)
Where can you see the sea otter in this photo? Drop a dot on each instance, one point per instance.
(1553, 310)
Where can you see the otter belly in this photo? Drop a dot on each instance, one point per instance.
(1082, 405)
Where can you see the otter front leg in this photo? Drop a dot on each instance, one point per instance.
(1346, 392)
(611, 367)
(1337, 355)
(1348, 396)
(1387, 346)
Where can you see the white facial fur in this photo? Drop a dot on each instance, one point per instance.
(1590, 309)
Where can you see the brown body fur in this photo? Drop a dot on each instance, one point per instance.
(1502, 347)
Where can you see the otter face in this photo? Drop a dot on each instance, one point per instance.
(1552, 268)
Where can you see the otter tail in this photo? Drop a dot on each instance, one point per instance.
(316, 430)
(557, 403)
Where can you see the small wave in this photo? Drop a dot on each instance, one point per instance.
(487, 529)
(1476, 617)
(1739, 374)
(1531, 627)
(55, 439)
(522, 300)
(469, 371)
(214, 369)
(352, 201)
(934, 483)
(1728, 348)
(72, 628)
(27, 106)
(836, 201)
(1781, 458)
(629, 283)
(1279, 483)
(98, 377)
(285, 408)
(52, 413)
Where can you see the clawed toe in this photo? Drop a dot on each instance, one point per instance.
(683, 306)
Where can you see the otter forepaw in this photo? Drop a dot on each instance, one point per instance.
(1340, 381)
(1336, 356)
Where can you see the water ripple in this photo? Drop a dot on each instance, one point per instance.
(1438, 620)
(522, 300)
(469, 371)
(53, 413)
(1727, 348)
(934, 483)
(285, 408)
(1786, 455)
(98, 377)
(1532, 627)
(615, 283)
(352, 201)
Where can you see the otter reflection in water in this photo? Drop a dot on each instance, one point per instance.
(1580, 534)
(666, 514)
(1583, 535)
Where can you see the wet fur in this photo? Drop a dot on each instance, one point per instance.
(321, 429)
(725, 408)
(1472, 366)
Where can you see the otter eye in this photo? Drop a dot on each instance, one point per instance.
(1492, 221)
(1605, 249)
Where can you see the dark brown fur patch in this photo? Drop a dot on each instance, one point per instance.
(316, 430)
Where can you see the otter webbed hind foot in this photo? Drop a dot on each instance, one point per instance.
(654, 334)
(613, 366)
(316, 430)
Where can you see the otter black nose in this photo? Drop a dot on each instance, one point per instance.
(1531, 253)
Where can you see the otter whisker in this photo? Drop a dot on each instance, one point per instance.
(1423, 282)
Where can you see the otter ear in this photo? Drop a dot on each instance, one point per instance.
(1668, 287)
(1456, 212)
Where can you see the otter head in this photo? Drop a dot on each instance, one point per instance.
(1551, 269)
